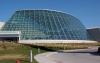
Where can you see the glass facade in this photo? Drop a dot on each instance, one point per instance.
(46, 25)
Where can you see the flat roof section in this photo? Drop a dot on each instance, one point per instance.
(10, 36)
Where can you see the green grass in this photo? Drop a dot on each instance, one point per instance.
(14, 49)
(18, 49)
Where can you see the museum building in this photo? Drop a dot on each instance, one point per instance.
(44, 26)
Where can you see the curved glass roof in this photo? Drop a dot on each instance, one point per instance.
(46, 25)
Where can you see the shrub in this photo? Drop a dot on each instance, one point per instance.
(4, 46)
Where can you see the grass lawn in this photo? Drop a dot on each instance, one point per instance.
(10, 52)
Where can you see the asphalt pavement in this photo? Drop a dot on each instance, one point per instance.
(89, 55)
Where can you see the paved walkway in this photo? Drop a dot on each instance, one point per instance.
(70, 56)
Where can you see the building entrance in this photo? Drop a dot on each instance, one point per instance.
(10, 36)
(9, 39)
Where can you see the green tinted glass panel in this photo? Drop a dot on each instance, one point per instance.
(46, 24)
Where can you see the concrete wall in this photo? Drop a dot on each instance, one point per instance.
(95, 33)
(1, 24)
(55, 41)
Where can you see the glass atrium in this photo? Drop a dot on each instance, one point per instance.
(46, 25)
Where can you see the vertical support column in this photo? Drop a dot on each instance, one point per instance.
(31, 56)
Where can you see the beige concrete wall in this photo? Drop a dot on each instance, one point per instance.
(55, 41)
